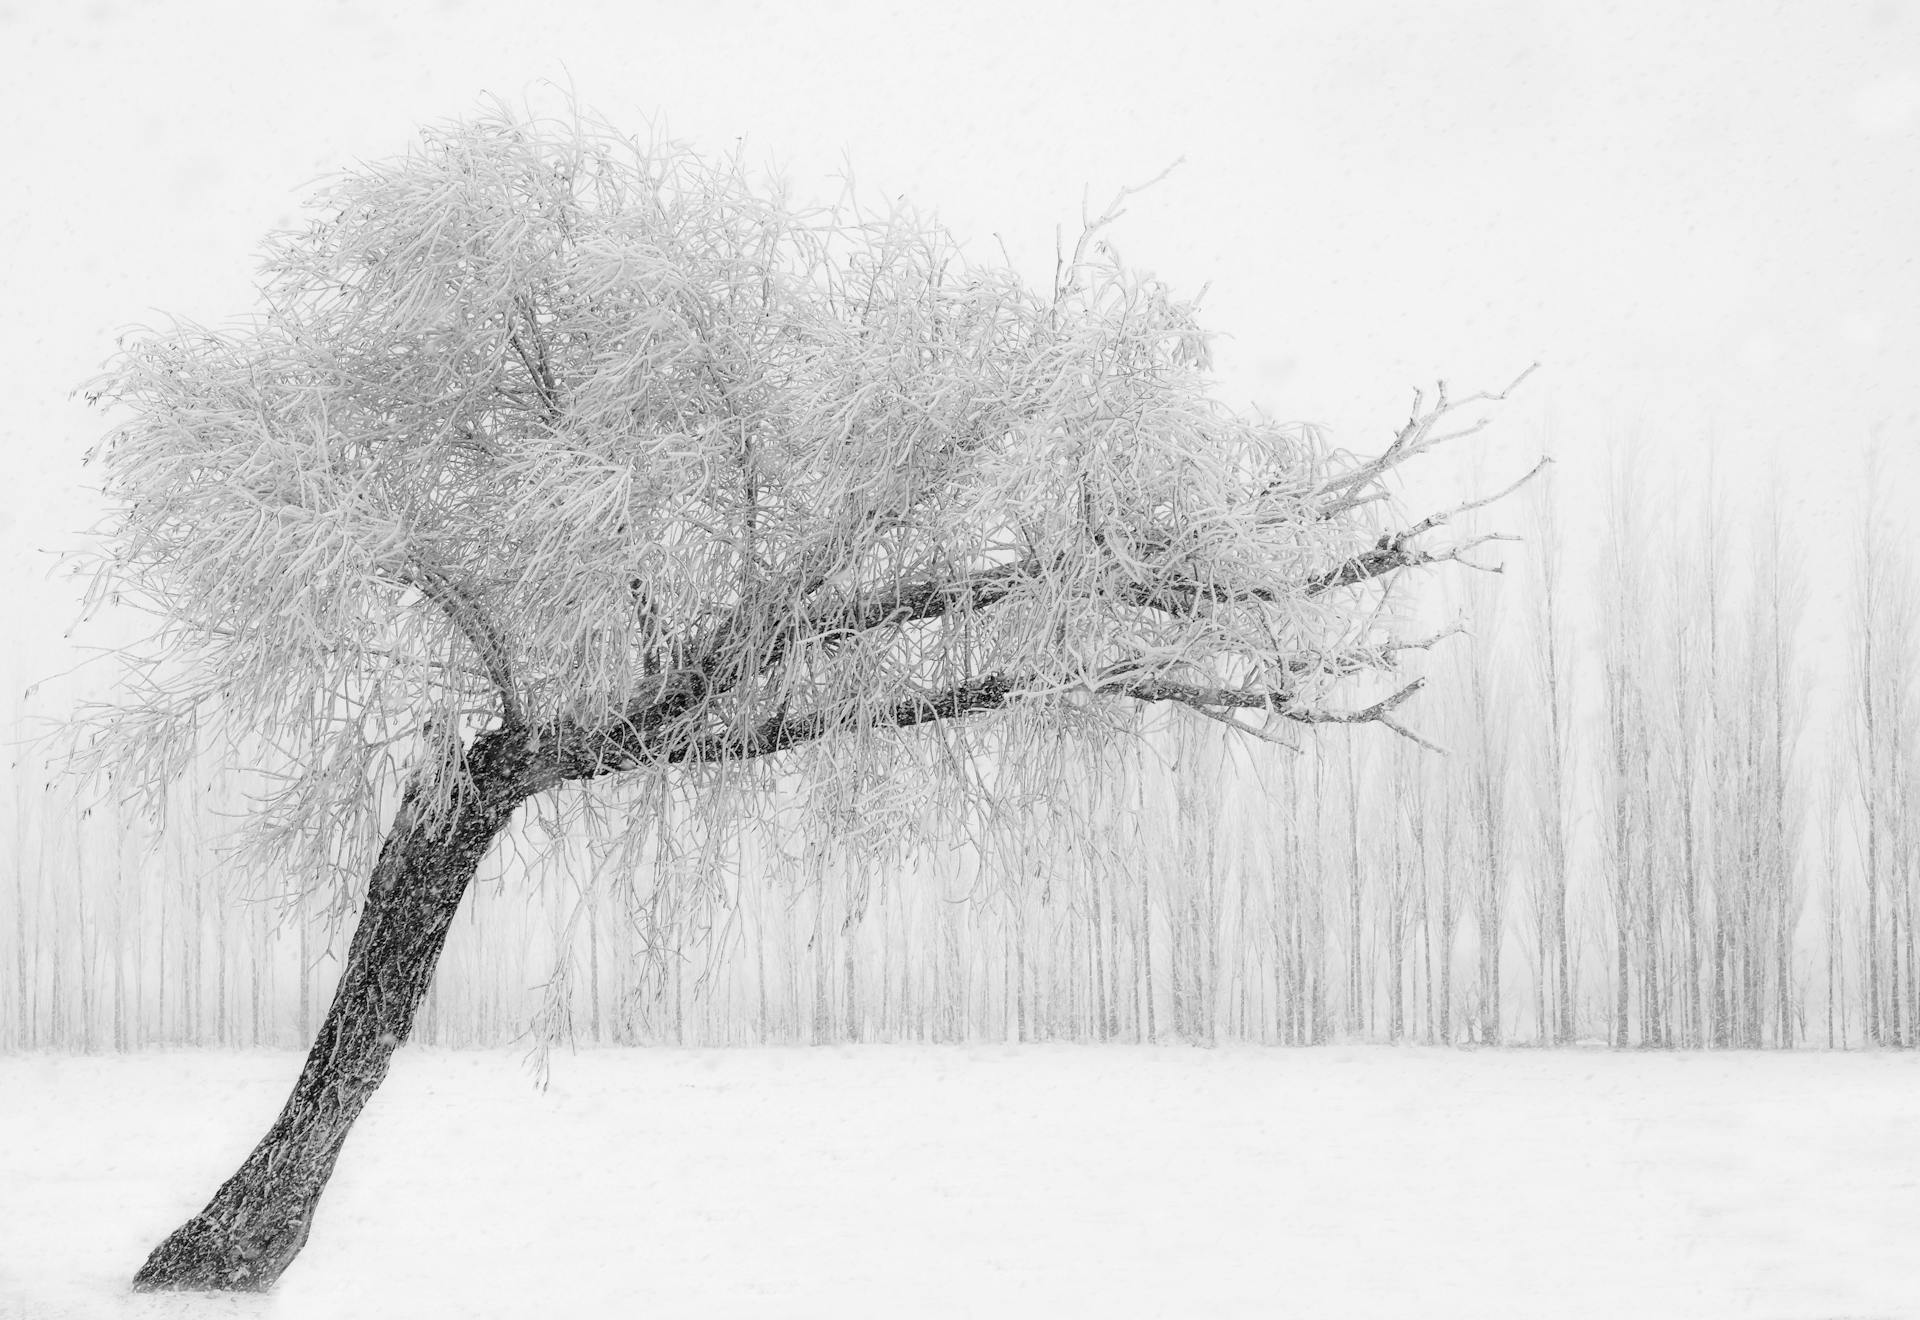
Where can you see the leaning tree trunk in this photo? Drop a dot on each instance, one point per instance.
(257, 1222)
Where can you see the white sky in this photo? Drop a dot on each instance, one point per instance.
(1700, 218)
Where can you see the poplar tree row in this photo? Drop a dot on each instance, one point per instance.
(1646, 831)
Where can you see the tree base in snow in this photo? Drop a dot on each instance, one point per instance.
(226, 1249)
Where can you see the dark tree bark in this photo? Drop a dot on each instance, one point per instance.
(259, 1219)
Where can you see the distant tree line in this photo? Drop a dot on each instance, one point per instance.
(1635, 838)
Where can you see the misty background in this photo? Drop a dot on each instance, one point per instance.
(1699, 223)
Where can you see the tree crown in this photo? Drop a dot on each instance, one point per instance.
(543, 429)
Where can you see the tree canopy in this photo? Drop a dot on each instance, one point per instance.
(544, 429)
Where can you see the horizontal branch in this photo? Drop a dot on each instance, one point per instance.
(1279, 703)
(912, 602)
(783, 731)
(918, 601)
(1389, 555)
(627, 745)
(731, 653)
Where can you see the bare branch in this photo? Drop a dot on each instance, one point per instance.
(1247, 729)
(1434, 520)
(472, 623)
(1411, 736)
(1392, 551)
(1187, 694)
(539, 366)
(1376, 713)
(1414, 437)
(782, 731)
(1089, 226)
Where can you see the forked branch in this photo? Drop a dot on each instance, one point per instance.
(472, 623)
(1349, 489)
(1394, 551)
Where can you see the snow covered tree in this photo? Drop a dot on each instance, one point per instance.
(552, 457)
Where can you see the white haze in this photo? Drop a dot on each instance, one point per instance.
(1698, 219)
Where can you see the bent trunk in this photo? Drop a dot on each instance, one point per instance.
(257, 1222)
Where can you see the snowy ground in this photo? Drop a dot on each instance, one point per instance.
(897, 1181)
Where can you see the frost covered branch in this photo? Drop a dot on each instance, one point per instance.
(697, 477)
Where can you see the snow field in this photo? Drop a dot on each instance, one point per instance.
(1002, 1181)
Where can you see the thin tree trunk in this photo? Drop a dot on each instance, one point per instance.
(259, 1219)
(593, 966)
(1355, 1003)
(120, 1034)
(136, 1020)
(1621, 863)
(1103, 1023)
(1426, 949)
(192, 959)
(822, 986)
(262, 987)
(55, 940)
(852, 1032)
(28, 1033)
(1542, 1008)
(1396, 1002)
(160, 975)
(1832, 984)
(1870, 796)
(1563, 956)
(1722, 1025)
(1177, 972)
(1113, 964)
(1146, 955)
(306, 971)
(1891, 1025)
(1653, 998)
(760, 963)
(1396, 907)
(25, 1032)
(222, 1029)
(1446, 957)
(1913, 982)
(1690, 894)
